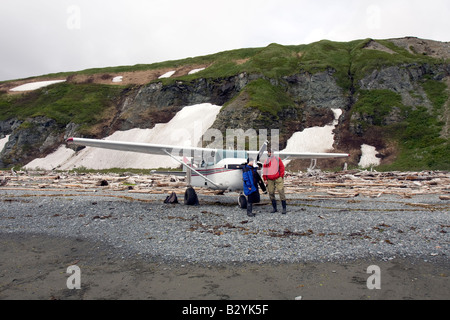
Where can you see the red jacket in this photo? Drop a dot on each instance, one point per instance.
(273, 168)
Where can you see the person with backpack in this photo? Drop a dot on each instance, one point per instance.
(273, 174)
(251, 181)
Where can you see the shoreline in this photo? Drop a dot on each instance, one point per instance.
(128, 244)
(34, 267)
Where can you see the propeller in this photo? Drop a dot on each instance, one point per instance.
(262, 150)
(260, 154)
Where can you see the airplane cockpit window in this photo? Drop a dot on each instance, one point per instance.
(205, 159)
(236, 154)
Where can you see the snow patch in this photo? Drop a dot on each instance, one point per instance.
(3, 142)
(368, 158)
(315, 139)
(35, 85)
(52, 161)
(185, 129)
(167, 74)
(196, 70)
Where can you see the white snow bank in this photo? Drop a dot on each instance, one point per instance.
(3, 142)
(196, 70)
(52, 161)
(368, 158)
(167, 74)
(35, 85)
(185, 129)
(117, 79)
(315, 139)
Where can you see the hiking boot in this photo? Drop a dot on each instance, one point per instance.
(274, 205)
(283, 203)
(250, 209)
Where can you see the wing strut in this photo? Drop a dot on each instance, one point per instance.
(190, 168)
(313, 164)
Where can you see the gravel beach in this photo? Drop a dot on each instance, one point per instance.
(134, 246)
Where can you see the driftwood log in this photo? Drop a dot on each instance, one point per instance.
(345, 184)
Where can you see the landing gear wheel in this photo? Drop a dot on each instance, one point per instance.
(190, 197)
(242, 201)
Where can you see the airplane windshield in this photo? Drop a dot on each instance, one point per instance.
(236, 154)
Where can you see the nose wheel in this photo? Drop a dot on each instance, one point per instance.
(242, 201)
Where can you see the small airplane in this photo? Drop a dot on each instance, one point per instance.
(215, 169)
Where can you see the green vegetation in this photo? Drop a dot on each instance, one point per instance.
(417, 133)
(327, 55)
(420, 143)
(275, 61)
(376, 105)
(267, 97)
(82, 104)
(346, 60)
(436, 92)
(365, 61)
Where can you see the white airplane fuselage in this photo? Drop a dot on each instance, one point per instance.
(226, 175)
(208, 168)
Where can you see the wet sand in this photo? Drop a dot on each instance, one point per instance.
(35, 267)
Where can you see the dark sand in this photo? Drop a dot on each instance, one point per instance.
(34, 267)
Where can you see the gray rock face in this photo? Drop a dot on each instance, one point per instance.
(406, 81)
(156, 103)
(29, 139)
(312, 95)
(316, 90)
(141, 107)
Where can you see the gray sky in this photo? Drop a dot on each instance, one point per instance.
(45, 36)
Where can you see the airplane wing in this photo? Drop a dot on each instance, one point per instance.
(300, 155)
(179, 151)
(310, 155)
(156, 149)
(172, 151)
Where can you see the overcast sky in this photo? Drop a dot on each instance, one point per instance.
(45, 36)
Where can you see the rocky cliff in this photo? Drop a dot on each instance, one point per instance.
(394, 95)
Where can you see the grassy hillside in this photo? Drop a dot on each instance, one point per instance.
(418, 136)
(417, 133)
(83, 104)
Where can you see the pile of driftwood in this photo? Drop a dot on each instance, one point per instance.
(348, 184)
(35, 180)
(314, 183)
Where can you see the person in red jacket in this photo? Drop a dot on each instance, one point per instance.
(273, 174)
